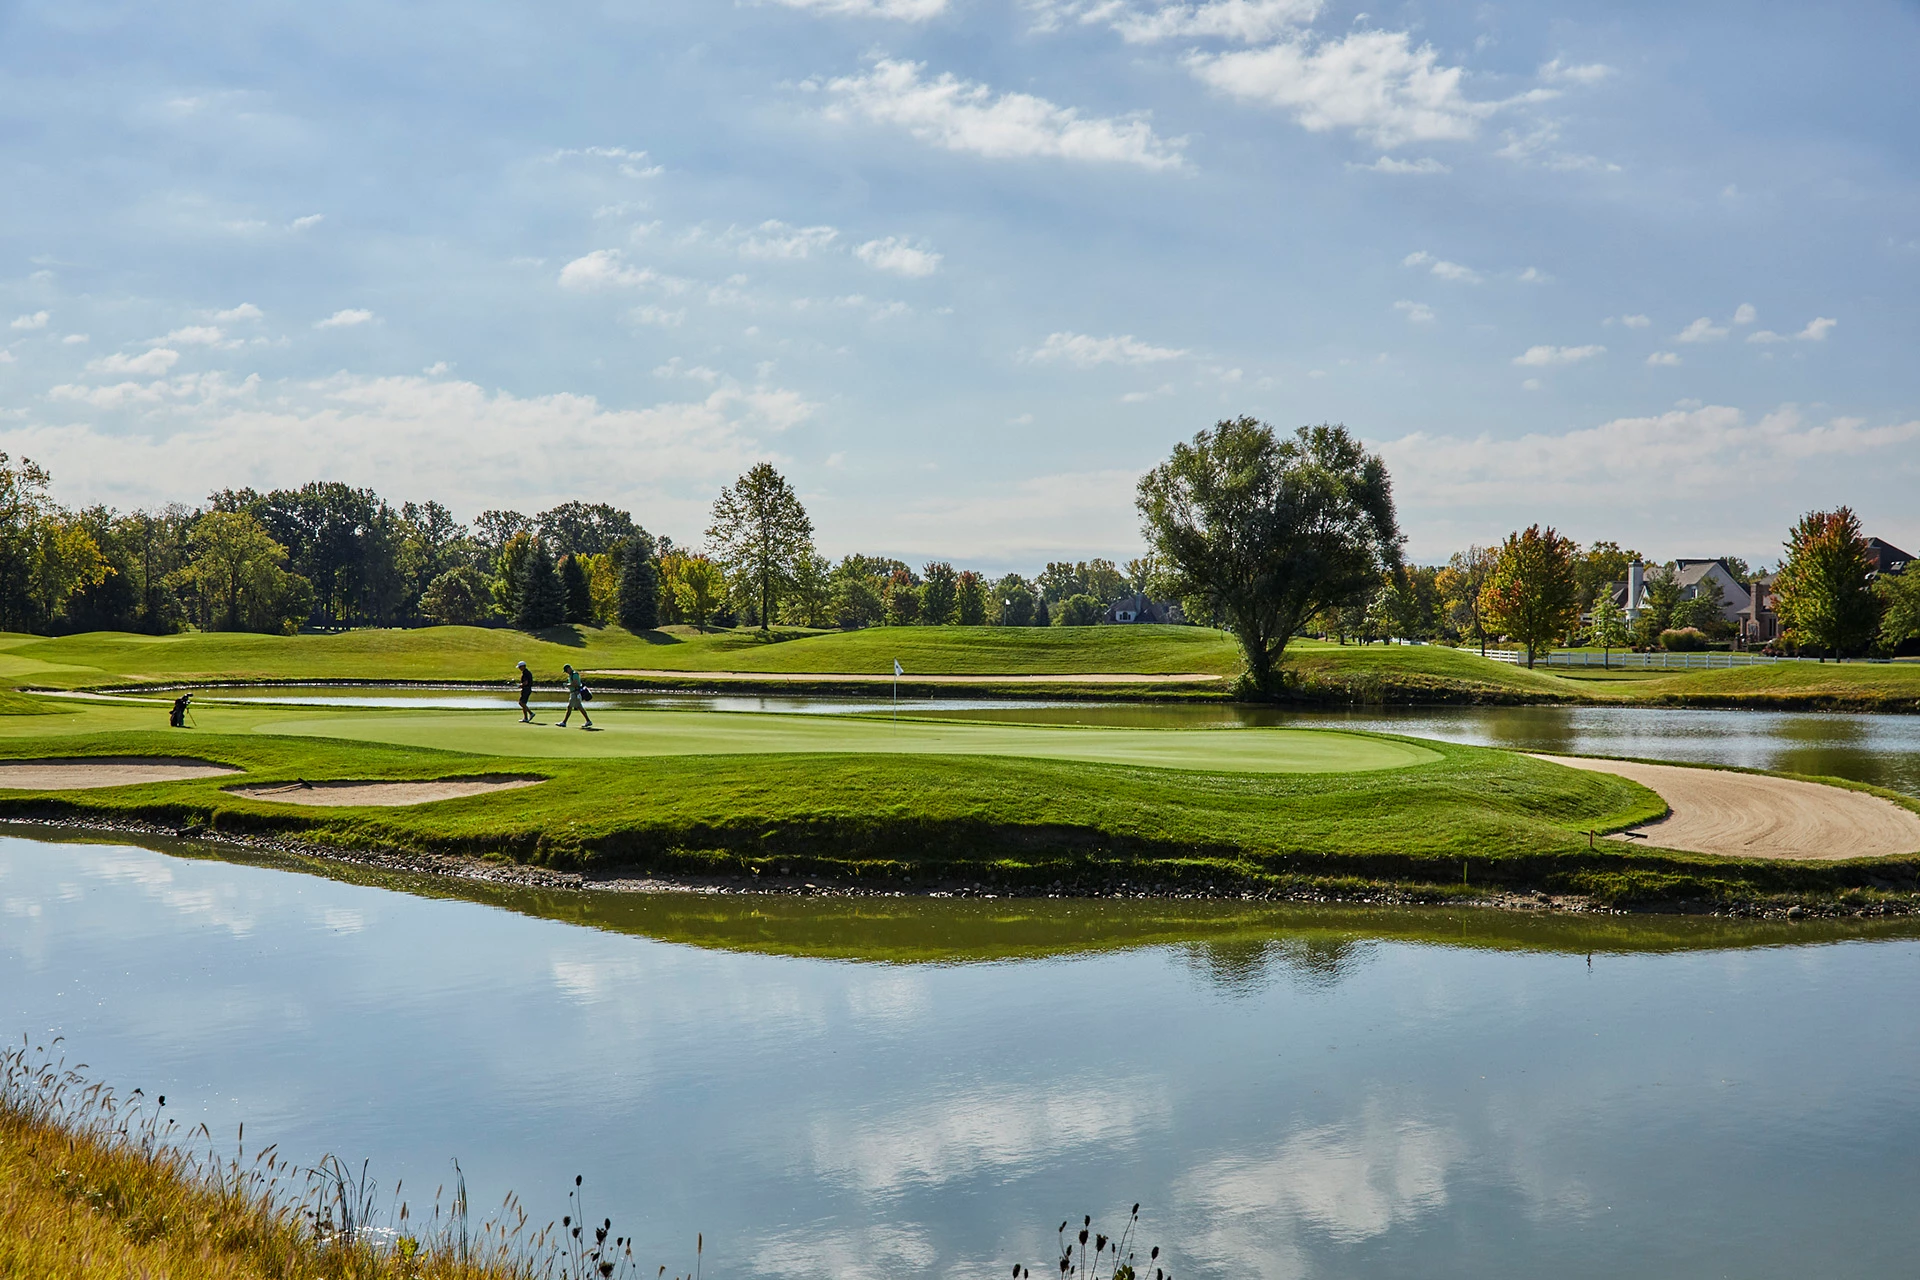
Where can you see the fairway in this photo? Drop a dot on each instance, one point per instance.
(697, 733)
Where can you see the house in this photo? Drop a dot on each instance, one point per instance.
(1887, 558)
(1138, 608)
(1759, 623)
(1693, 577)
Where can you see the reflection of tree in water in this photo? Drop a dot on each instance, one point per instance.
(1244, 966)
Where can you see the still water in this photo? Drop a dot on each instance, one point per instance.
(896, 1087)
(1883, 750)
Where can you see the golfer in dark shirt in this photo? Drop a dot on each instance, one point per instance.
(526, 691)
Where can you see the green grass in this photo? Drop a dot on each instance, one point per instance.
(475, 653)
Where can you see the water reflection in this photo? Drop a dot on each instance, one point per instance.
(1289, 1093)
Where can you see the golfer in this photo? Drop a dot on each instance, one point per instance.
(526, 692)
(575, 699)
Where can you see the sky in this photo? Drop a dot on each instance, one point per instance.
(964, 269)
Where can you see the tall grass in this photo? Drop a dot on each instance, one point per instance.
(93, 1182)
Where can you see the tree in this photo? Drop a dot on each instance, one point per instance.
(639, 606)
(970, 600)
(1607, 627)
(576, 596)
(1705, 611)
(1598, 568)
(1658, 599)
(1824, 594)
(237, 565)
(810, 601)
(1079, 611)
(1532, 596)
(700, 590)
(1461, 585)
(1040, 618)
(902, 598)
(761, 532)
(457, 598)
(542, 600)
(1900, 608)
(1268, 531)
(939, 594)
(1013, 600)
(585, 528)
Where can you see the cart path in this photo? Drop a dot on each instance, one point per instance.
(1747, 815)
(845, 677)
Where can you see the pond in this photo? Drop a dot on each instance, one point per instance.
(904, 1087)
(1880, 749)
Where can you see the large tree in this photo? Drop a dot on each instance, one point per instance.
(639, 606)
(1268, 531)
(1824, 594)
(585, 528)
(1460, 585)
(542, 601)
(1532, 595)
(761, 533)
(1900, 602)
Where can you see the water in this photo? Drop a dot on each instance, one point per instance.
(1883, 750)
(1288, 1092)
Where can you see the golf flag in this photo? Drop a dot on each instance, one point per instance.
(898, 671)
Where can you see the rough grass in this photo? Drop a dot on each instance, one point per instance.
(96, 1185)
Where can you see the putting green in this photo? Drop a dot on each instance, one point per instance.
(663, 733)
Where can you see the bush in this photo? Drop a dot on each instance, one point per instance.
(1079, 611)
(1683, 640)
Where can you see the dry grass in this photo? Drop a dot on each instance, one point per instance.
(95, 1184)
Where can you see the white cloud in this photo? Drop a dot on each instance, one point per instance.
(1539, 145)
(6, 356)
(76, 339)
(1558, 72)
(1086, 351)
(37, 320)
(1663, 358)
(449, 437)
(660, 316)
(1248, 21)
(345, 318)
(1140, 397)
(1388, 164)
(1545, 356)
(905, 10)
(1440, 267)
(1417, 312)
(1817, 329)
(604, 268)
(898, 256)
(310, 220)
(245, 311)
(197, 335)
(631, 163)
(156, 361)
(1745, 314)
(962, 116)
(1531, 384)
(1374, 83)
(1701, 330)
(1534, 275)
(773, 239)
(1635, 322)
(1767, 335)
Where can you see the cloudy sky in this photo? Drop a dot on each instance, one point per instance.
(964, 268)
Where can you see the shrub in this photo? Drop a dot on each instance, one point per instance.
(1683, 640)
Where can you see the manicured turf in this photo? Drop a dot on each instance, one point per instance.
(687, 733)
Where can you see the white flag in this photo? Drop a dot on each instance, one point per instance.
(898, 671)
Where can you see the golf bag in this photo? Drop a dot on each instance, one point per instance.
(178, 717)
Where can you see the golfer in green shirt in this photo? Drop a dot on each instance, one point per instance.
(576, 699)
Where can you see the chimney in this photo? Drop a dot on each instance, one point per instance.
(1636, 584)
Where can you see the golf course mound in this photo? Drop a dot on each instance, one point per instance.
(382, 794)
(87, 774)
(1746, 815)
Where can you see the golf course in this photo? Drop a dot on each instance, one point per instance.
(873, 798)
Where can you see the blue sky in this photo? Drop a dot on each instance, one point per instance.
(964, 268)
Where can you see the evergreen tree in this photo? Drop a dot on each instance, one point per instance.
(542, 600)
(576, 598)
(1040, 616)
(639, 591)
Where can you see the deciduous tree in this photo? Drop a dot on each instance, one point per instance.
(1824, 593)
(701, 589)
(1269, 531)
(1531, 596)
(761, 533)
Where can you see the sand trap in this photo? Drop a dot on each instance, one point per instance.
(1749, 815)
(846, 677)
(332, 794)
(102, 771)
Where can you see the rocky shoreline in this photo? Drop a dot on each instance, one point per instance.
(519, 875)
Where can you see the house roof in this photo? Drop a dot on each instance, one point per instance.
(1886, 557)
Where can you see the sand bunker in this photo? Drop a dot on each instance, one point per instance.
(331, 794)
(102, 771)
(1747, 815)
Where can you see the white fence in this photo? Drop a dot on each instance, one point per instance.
(1622, 660)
